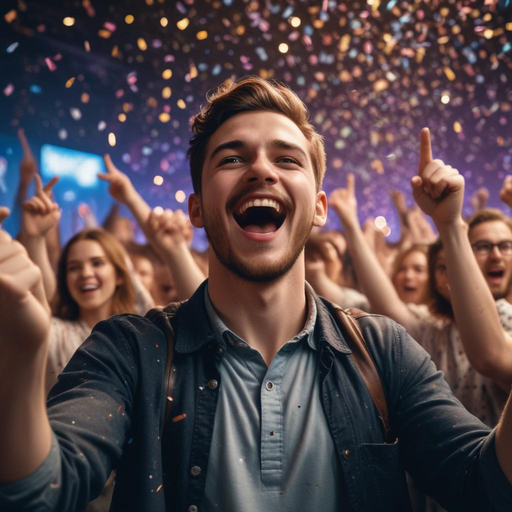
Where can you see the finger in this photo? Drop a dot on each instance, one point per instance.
(425, 150)
(39, 183)
(351, 183)
(10, 249)
(38, 205)
(111, 168)
(48, 187)
(24, 142)
(4, 213)
(104, 177)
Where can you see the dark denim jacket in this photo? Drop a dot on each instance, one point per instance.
(107, 411)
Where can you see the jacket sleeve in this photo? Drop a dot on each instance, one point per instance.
(449, 452)
(89, 411)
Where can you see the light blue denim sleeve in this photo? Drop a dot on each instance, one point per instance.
(38, 492)
(498, 487)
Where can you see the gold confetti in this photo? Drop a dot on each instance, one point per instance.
(164, 117)
(11, 16)
(181, 104)
(129, 19)
(68, 21)
(183, 24)
(112, 139)
(203, 34)
(164, 21)
(70, 82)
(166, 74)
(141, 43)
(166, 93)
(283, 48)
(449, 74)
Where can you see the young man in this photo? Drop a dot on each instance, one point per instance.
(268, 410)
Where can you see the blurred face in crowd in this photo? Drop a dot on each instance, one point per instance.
(441, 278)
(164, 289)
(492, 245)
(411, 277)
(144, 270)
(91, 277)
(259, 198)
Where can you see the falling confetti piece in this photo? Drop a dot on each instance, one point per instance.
(51, 65)
(179, 418)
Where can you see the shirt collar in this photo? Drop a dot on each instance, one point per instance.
(222, 332)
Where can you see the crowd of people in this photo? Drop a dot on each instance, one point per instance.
(452, 292)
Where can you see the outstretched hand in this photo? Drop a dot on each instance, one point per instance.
(121, 187)
(40, 213)
(438, 189)
(343, 201)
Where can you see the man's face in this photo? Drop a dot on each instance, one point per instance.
(496, 264)
(259, 201)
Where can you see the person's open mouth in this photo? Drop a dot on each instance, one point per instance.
(496, 275)
(260, 215)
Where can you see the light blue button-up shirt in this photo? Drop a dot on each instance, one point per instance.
(271, 446)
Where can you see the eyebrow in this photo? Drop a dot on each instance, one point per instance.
(277, 143)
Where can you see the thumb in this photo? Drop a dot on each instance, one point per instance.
(104, 176)
(417, 187)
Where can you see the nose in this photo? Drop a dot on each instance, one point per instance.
(87, 270)
(496, 253)
(261, 169)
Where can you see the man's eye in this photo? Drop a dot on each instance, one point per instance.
(231, 160)
(288, 160)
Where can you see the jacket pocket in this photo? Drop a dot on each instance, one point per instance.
(387, 477)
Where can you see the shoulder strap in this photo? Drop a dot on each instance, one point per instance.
(161, 317)
(363, 361)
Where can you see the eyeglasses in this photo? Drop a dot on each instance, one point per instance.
(484, 247)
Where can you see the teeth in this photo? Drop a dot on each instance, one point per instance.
(89, 287)
(266, 202)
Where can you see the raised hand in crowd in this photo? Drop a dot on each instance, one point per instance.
(169, 240)
(25, 435)
(39, 215)
(170, 234)
(421, 231)
(506, 191)
(479, 199)
(438, 190)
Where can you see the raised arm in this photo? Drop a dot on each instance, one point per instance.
(376, 285)
(439, 191)
(25, 434)
(167, 233)
(39, 215)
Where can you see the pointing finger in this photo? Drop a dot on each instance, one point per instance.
(39, 183)
(351, 183)
(111, 168)
(425, 150)
(24, 142)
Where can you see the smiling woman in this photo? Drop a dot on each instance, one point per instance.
(93, 283)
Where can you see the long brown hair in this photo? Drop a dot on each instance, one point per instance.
(438, 304)
(399, 259)
(123, 300)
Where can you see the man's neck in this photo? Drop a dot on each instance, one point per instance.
(265, 315)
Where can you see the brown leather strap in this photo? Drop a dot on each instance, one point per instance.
(364, 362)
(161, 317)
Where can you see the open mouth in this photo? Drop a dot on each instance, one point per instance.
(410, 289)
(260, 215)
(89, 288)
(496, 274)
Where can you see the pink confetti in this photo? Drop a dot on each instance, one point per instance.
(51, 65)
(9, 90)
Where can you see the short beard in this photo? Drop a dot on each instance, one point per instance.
(257, 273)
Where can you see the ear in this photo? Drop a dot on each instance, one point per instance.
(194, 211)
(320, 209)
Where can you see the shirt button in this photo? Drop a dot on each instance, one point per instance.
(346, 453)
(192, 508)
(212, 384)
(220, 351)
(269, 385)
(195, 471)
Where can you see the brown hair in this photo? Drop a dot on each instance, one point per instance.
(247, 94)
(400, 257)
(488, 215)
(123, 301)
(438, 304)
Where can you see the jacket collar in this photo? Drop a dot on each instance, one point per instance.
(194, 330)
